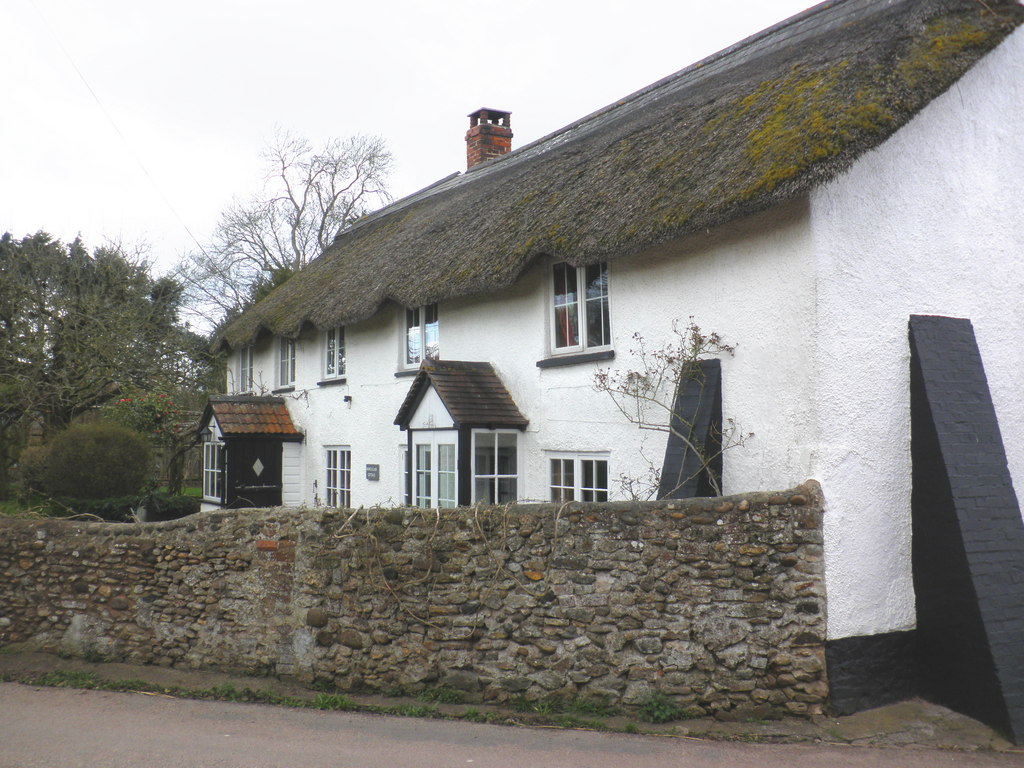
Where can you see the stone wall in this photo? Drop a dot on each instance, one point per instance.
(717, 603)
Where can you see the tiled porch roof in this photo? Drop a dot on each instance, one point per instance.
(472, 392)
(239, 415)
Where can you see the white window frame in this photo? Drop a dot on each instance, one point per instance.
(495, 477)
(578, 306)
(335, 361)
(577, 490)
(245, 369)
(426, 476)
(338, 476)
(420, 339)
(213, 470)
(286, 362)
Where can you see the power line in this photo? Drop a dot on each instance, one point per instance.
(131, 150)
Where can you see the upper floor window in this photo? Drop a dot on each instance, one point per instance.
(286, 363)
(581, 311)
(334, 353)
(245, 374)
(422, 334)
(578, 477)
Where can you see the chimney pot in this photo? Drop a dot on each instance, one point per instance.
(489, 135)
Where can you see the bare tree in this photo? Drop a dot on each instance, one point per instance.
(309, 196)
(647, 396)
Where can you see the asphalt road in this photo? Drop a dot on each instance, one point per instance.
(65, 728)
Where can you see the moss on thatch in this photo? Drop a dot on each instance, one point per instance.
(735, 134)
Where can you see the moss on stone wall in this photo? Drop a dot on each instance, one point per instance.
(716, 604)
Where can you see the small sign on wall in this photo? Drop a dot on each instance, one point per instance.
(373, 471)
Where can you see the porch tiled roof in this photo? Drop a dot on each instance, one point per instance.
(250, 415)
(472, 392)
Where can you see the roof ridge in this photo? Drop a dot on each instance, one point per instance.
(458, 177)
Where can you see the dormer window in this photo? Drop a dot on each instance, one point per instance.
(245, 369)
(334, 353)
(286, 363)
(422, 335)
(581, 318)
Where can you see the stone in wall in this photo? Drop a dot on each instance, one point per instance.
(716, 603)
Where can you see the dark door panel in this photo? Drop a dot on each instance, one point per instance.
(254, 473)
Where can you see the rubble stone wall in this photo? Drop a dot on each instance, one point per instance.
(718, 604)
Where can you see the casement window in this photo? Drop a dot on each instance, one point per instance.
(338, 479)
(578, 477)
(245, 374)
(434, 470)
(213, 471)
(286, 363)
(581, 315)
(422, 335)
(495, 466)
(334, 353)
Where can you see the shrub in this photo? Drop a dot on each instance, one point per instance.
(96, 461)
(32, 467)
(159, 506)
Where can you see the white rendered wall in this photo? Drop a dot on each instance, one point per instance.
(816, 295)
(929, 223)
(751, 282)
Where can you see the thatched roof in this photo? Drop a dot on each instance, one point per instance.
(737, 133)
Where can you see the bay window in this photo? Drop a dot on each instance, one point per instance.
(495, 467)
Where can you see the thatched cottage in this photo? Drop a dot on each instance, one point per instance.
(824, 195)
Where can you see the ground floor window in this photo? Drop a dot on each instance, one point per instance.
(578, 477)
(434, 475)
(213, 471)
(495, 467)
(338, 482)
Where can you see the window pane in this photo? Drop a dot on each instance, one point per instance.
(484, 488)
(406, 469)
(423, 495)
(594, 481)
(340, 352)
(431, 332)
(446, 457)
(598, 323)
(506, 490)
(562, 484)
(413, 340)
(506, 453)
(286, 369)
(483, 461)
(567, 322)
(330, 354)
(446, 496)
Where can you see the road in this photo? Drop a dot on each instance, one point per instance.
(66, 728)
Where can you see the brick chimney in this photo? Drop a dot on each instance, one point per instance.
(489, 135)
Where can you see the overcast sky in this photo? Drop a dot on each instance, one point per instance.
(140, 121)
